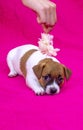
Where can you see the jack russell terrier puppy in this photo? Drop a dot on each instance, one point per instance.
(43, 73)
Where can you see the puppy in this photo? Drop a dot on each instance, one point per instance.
(43, 73)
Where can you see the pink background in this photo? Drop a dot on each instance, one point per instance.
(20, 108)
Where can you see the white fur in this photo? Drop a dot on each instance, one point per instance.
(13, 61)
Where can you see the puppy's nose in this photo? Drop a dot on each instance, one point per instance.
(53, 90)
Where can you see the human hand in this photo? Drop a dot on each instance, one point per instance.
(46, 12)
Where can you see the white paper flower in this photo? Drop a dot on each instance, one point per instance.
(46, 45)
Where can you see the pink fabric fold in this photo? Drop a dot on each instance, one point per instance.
(20, 108)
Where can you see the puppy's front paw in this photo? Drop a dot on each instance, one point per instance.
(12, 74)
(39, 91)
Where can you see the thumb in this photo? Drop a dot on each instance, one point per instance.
(38, 20)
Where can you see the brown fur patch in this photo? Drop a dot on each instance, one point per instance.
(24, 58)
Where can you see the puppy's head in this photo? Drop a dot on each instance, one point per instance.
(51, 75)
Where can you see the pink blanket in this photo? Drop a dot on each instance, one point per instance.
(20, 108)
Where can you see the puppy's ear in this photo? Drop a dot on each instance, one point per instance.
(38, 70)
(67, 72)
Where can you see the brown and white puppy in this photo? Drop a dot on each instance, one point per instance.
(43, 73)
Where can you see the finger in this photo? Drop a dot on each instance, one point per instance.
(48, 14)
(53, 17)
(41, 15)
(46, 28)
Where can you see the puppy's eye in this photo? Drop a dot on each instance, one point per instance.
(59, 79)
(47, 77)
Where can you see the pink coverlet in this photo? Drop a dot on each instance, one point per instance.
(20, 108)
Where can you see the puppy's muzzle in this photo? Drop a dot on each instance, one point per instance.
(53, 90)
